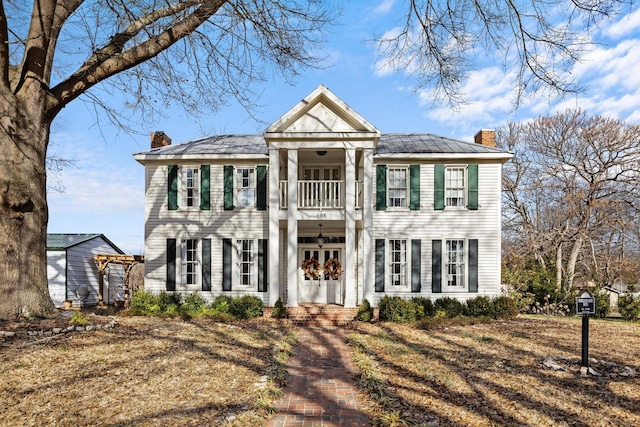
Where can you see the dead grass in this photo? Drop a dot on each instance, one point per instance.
(493, 374)
(145, 372)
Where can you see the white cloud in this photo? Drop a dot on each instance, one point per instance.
(628, 24)
(384, 7)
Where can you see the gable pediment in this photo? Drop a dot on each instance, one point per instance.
(321, 113)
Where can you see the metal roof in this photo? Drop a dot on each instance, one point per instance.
(393, 143)
(63, 241)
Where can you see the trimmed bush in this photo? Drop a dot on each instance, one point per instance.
(629, 307)
(144, 302)
(451, 307)
(426, 304)
(365, 312)
(222, 303)
(602, 304)
(480, 306)
(279, 311)
(193, 303)
(397, 309)
(505, 308)
(246, 307)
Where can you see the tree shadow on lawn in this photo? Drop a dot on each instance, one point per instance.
(148, 371)
(456, 377)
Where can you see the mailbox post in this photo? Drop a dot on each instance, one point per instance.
(585, 305)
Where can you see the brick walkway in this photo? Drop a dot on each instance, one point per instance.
(320, 390)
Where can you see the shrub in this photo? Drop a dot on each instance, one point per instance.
(602, 304)
(78, 319)
(397, 309)
(480, 306)
(246, 307)
(144, 302)
(426, 304)
(279, 311)
(193, 303)
(505, 308)
(451, 307)
(222, 303)
(629, 307)
(212, 313)
(365, 312)
(166, 300)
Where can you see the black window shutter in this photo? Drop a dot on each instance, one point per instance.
(379, 285)
(206, 264)
(472, 172)
(263, 262)
(381, 187)
(205, 180)
(228, 188)
(171, 264)
(436, 266)
(172, 187)
(438, 187)
(415, 265)
(414, 187)
(226, 264)
(261, 197)
(473, 265)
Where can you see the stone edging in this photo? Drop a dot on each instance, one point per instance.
(56, 331)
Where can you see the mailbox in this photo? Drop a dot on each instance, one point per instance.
(585, 304)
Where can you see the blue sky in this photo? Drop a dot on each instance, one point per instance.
(104, 190)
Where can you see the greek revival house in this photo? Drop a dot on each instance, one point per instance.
(323, 208)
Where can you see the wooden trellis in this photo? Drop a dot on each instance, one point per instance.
(127, 261)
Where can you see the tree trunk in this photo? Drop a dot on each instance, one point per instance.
(571, 263)
(559, 267)
(23, 207)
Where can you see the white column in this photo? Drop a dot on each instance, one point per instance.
(350, 243)
(274, 225)
(292, 228)
(367, 226)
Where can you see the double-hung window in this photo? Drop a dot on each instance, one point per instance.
(246, 187)
(455, 186)
(246, 262)
(190, 186)
(397, 187)
(455, 263)
(398, 258)
(189, 261)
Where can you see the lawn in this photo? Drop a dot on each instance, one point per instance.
(143, 372)
(495, 374)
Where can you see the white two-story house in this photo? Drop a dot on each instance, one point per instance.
(323, 208)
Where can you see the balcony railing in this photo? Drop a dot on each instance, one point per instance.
(319, 194)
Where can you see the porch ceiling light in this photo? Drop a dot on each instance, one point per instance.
(321, 153)
(320, 240)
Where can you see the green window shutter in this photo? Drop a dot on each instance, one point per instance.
(473, 265)
(263, 262)
(228, 188)
(438, 187)
(171, 264)
(414, 187)
(381, 187)
(172, 187)
(436, 266)
(379, 279)
(416, 245)
(206, 264)
(227, 247)
(205, 180)
(261, 202)
(472, 172)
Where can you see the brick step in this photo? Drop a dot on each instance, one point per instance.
(321, 315)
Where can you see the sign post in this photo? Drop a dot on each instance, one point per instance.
(585, 305)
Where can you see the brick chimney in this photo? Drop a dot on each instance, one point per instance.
(486, 137)
(159, 139)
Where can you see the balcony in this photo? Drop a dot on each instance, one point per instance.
(320, 194)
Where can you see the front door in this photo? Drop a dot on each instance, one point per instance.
(320, 279)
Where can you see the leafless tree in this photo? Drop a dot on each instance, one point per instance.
(198, 53)
(572, 184)
(537, 42)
